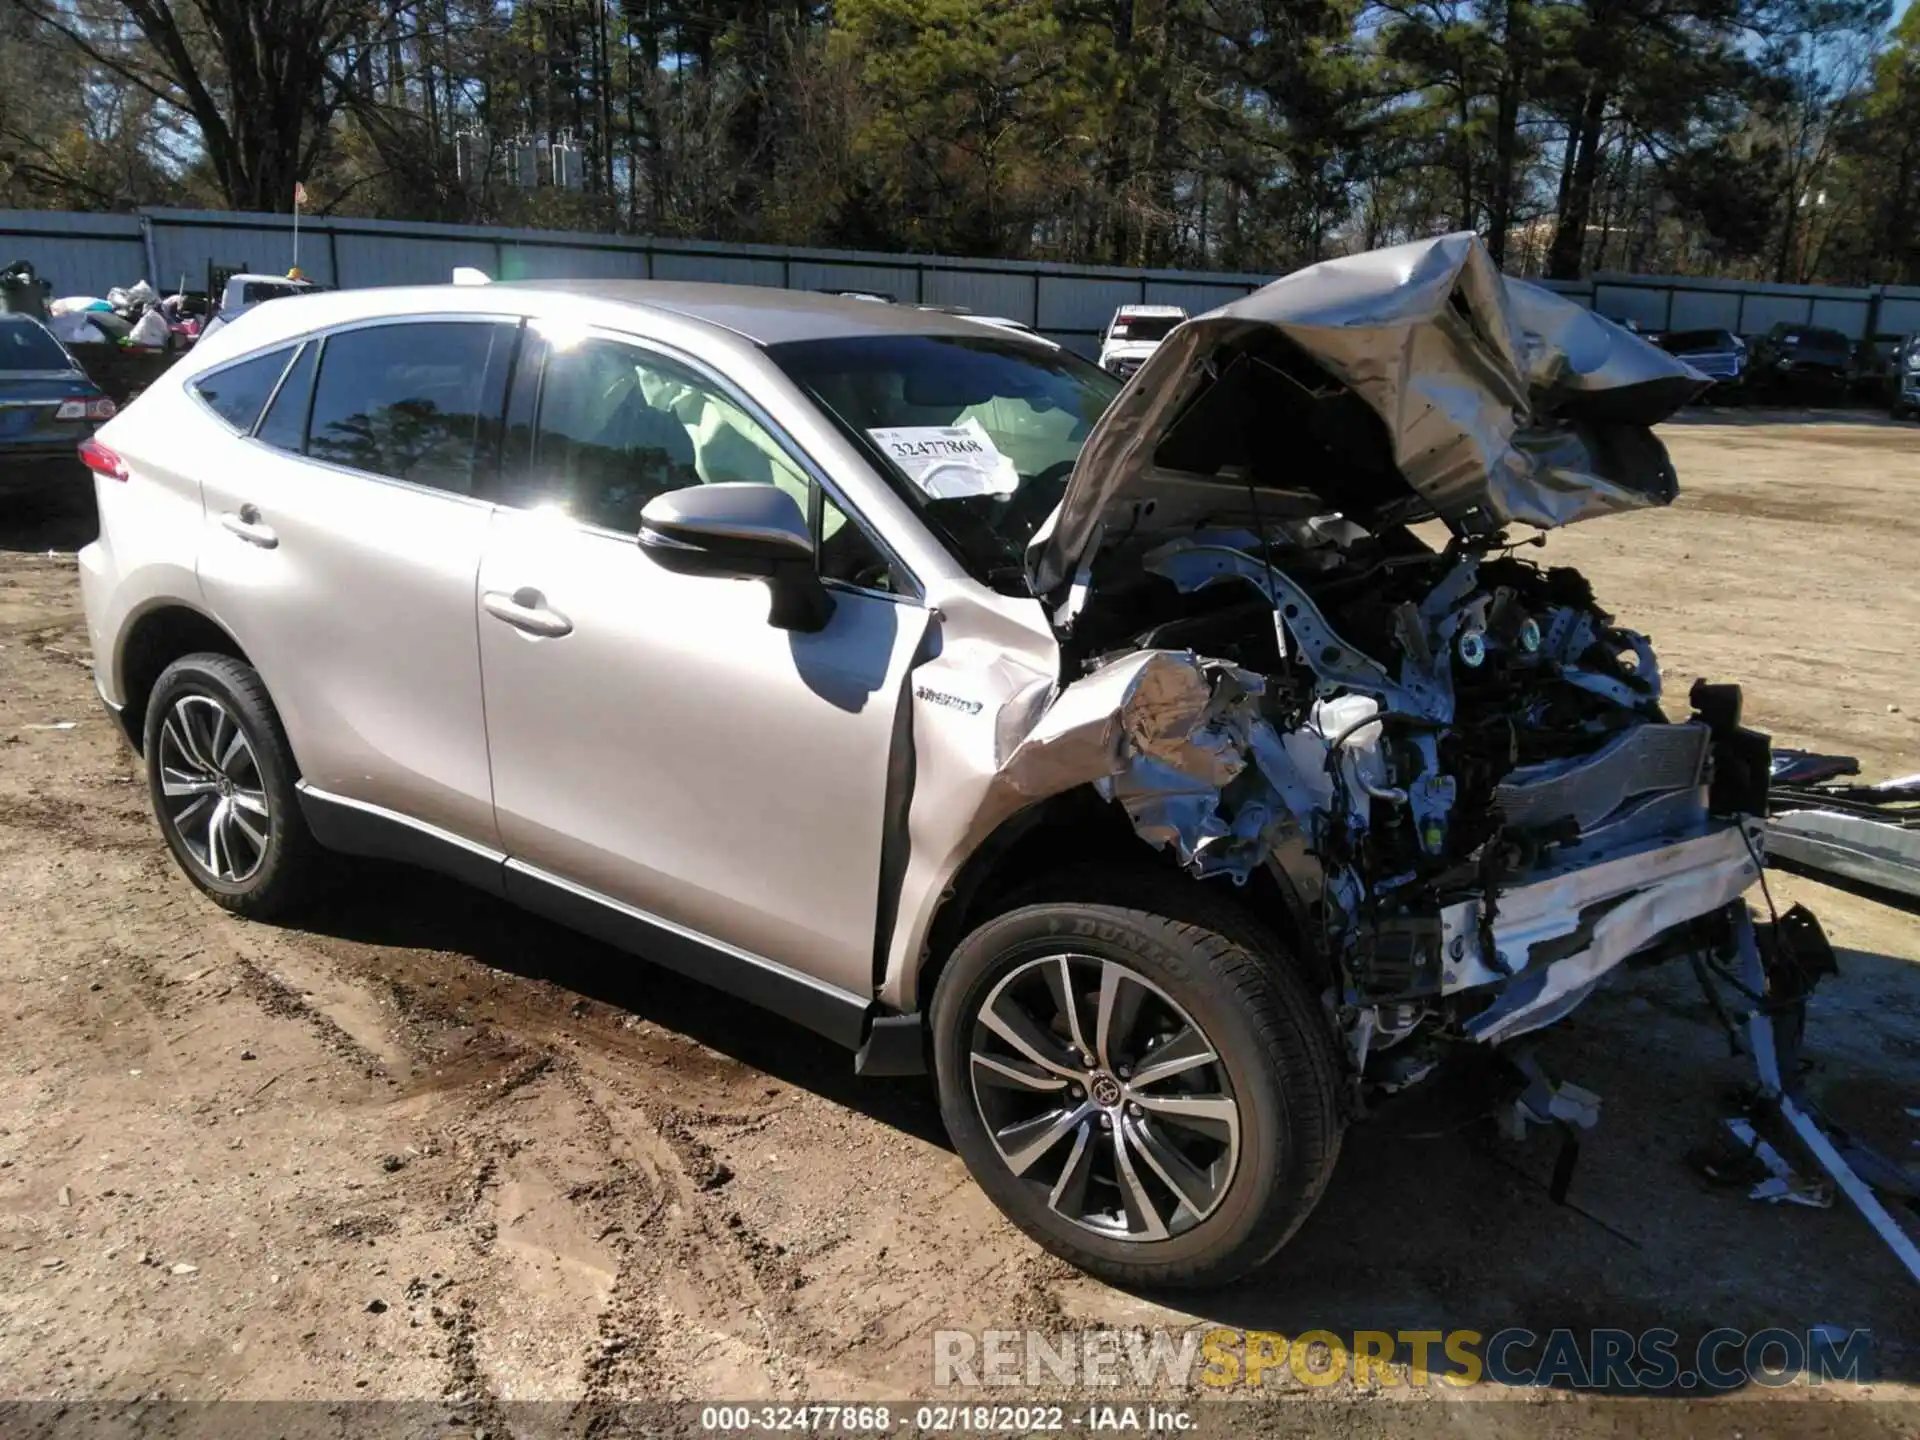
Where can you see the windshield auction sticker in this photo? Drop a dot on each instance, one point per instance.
(949, 462)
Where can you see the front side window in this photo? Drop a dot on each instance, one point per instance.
(618, 424)
(616, 427)
(980, 435)
(237, 393)
(407, 401)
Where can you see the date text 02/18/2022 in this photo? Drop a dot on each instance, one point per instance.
(942, 1418)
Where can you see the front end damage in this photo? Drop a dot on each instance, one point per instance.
(1469, 863)
(1465, 779)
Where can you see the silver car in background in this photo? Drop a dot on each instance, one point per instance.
(1118, 754)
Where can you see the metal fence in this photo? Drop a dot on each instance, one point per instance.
(88, 254)
(1659, 302)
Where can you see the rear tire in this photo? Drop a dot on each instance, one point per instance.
(221, 777)
(1210, 1099)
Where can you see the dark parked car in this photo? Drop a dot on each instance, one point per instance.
(1906, 394)
(48, 406)
(1720, 355)
(1877, 363)
(1801, 362)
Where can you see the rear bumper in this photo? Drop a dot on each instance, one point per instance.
(1812, 372)
(1557, 935)
(40, 467)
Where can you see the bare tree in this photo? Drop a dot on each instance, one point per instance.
(260, 79)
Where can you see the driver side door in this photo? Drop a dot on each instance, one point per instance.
(669, 769)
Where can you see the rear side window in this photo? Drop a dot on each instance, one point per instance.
(238, 393)
(408, 400)
(25, 346)
(285, 425)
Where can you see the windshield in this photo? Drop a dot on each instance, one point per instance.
(1824, 339)
(980, 435)
(25, 346)
(1143, 327)
(254, 291)
(1685, 342)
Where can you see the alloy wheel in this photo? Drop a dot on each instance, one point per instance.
(211, 789)
(1100, 1091)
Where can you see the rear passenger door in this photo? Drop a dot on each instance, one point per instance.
(342, 542)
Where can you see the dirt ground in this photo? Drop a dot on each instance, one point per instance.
(428, 1147)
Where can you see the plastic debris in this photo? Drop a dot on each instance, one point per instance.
(1782, 1182)
(1766, 1061)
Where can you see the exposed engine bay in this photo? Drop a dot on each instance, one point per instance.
(1462, 773)
(1415, 741)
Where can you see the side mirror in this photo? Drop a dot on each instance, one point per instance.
(741, 531)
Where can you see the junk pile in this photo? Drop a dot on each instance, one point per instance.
(22, 291)
(130, 317)
(125, 338)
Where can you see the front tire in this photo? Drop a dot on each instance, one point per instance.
(221, 778)
(1139, 1079)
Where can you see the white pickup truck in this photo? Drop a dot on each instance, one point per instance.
(243, 292)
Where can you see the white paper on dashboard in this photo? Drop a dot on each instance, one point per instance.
(949, 462)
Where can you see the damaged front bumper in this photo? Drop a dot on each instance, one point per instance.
(1822, 822)
(1183, 747)
(1554, 937)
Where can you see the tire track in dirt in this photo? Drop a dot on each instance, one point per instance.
(466, 1387)
(669, 1200)
(698, 1286)
(62, 818)
(281, 1000)
(628, 1361)
(688, 1253)
(475, 1146)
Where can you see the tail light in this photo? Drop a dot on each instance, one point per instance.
(102, 461)
(85, 407)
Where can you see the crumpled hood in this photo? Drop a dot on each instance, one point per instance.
(1393, 385)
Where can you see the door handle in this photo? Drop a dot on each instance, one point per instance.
(247, 524)
(526, 609)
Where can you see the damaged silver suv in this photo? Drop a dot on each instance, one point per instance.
(1120, 754)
